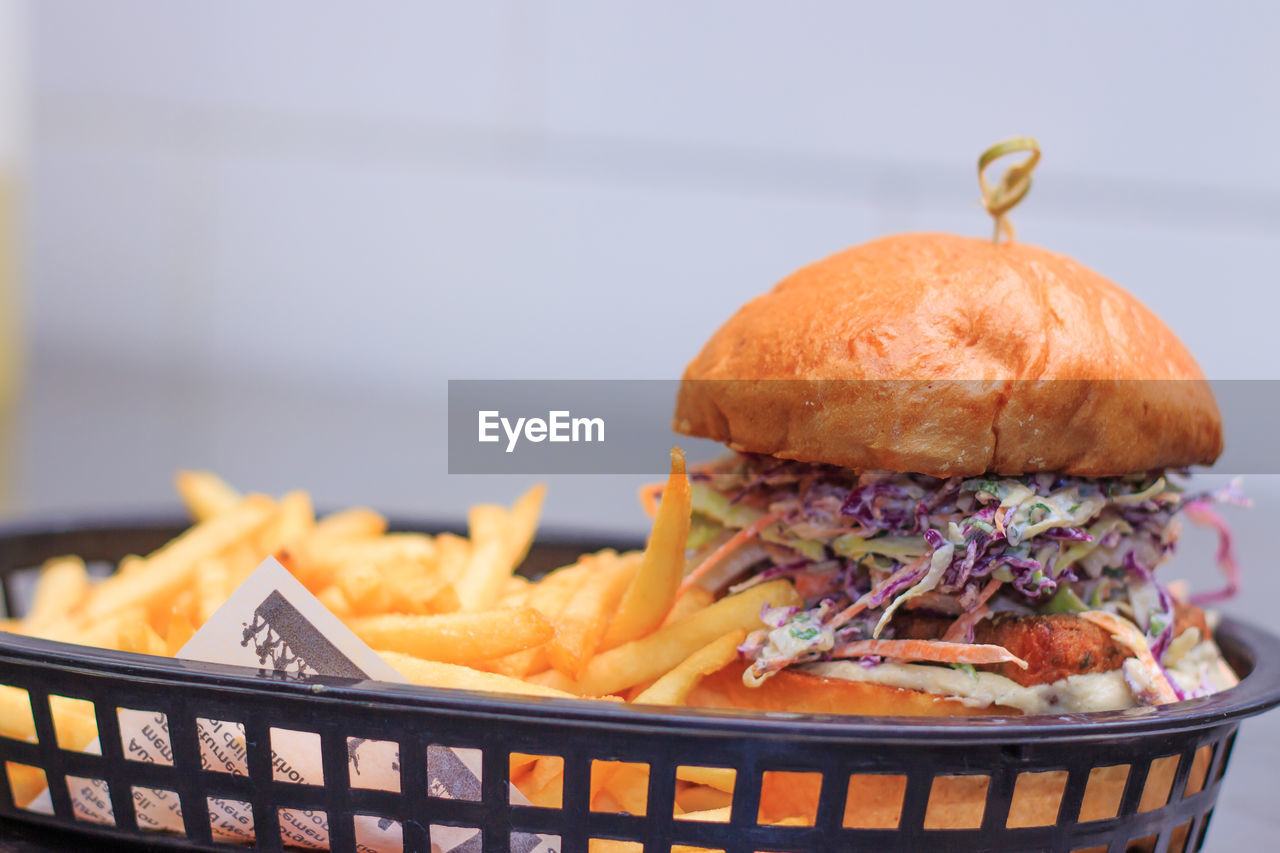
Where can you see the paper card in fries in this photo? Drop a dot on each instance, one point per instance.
(272, 623)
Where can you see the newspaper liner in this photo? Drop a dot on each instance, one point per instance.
(273, 624)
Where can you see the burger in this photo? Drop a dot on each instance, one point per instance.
(971, 459)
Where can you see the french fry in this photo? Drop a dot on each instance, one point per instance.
(170, 569)
(601, 772)
(25, 783)
(74, 721)
(582, 622)
(391, 548)
(436, 674)
(142, 639)
(714, 815)
(487, 567)
(76, 726)
(354, 523)
(610, 845)
(448, 611)
(550, 596)
(104, 633)
(317, 560)
(689, 602)
(16, 721)
(414, 588)
(129, 564)
(185, 605)
(452, 552)
(544, 784)
(519, 764)
(673, 688)
(241, 559)
(295, 521)
(525, 513)
(549, 796)
(785, 797)
(517, 664)
(455, 637)
(213, 587)
(661, 651)
(629, 788)
(335, 601)
(415, 548)
(179, 632)
(553, 590)
(206, 494)
(619, 787)
(516, 592)
(654, 588)
(720, 778)
(500, 539)
(444, 601)
(364, 588)
(518, 585)
(62, 585)
(701, 798)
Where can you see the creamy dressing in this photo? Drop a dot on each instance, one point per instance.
(1106, 691)
(1199, 670)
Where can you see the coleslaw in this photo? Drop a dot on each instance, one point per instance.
(862, 547)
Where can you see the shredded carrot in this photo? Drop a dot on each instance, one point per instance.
(649, 497)
(740, 538)
(960, 628)
(930, 650)
(851, 611)
(862, 603)
(989, 590)
(943, 603)
(1127, 633)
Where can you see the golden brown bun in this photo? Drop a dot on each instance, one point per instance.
(797, 372)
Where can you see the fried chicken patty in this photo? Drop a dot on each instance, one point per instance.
(1054, 646)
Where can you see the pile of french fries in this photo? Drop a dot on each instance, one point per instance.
(444, 610)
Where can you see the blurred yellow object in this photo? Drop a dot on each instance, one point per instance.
(9, 331)
(10, 348)
(13, 90)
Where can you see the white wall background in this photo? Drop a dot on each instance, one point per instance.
(399, 193)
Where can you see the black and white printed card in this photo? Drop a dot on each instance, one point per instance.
(272, 623)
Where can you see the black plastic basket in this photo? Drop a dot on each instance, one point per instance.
(1175, 755)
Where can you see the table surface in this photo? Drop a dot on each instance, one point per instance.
(103, 439)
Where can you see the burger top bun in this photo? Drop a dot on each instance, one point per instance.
(948, 355)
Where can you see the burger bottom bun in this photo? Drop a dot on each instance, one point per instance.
(874, 800)
(799, 692)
